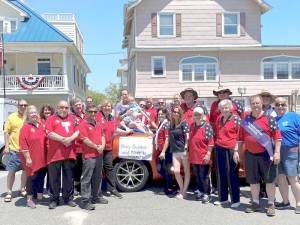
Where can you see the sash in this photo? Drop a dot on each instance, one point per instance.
(156, 135)
(259, 135)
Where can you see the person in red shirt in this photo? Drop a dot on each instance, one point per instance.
(224, 93)
(78, 115)
(190, 97)
(61, 131)
(109, 126)
(227, 127)
(152, 113)
(33, 146)
(93, 139)
(161, 142)
(201, 143)
(261, 158)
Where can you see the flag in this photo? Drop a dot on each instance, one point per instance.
(1, 52)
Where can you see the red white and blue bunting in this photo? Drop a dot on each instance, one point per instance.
(30, 82)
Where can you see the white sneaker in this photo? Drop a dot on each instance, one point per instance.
(235, 205)
(220, 203)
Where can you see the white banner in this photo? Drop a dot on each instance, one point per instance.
(139, 148)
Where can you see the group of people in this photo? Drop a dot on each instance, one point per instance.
(68, 145)
(79, 143)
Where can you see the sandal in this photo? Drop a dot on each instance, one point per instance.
(23, 193)
(7, 197)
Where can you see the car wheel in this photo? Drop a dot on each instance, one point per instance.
(131, 175)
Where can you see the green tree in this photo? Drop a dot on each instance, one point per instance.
(98, 97)
(112, 92)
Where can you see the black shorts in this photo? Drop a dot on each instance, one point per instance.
(259, 168)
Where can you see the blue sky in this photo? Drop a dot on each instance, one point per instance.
(101, 22)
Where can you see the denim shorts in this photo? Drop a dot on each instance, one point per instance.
(14, 163)
(288, 161)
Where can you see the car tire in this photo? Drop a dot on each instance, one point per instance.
(131, 175)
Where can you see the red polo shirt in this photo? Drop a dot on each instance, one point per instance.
(92, 131)
(78, 120)
(215, 113)
(269, 126)
(162, 135)
(188, 112)
(33, 139)
(200, 138)
(227, 134)
(64, 127)
(109, 126)
(152, 113)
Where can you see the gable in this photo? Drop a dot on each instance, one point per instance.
(34, 28)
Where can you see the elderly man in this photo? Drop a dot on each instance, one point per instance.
(11, 136)
(61, 130)
(258, 133)
(223, 93)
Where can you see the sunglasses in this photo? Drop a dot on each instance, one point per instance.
(266, 96)
(222, 92)
(142, 105)
(92, 111)
(280, 104)
(175, 112)
(23, 105)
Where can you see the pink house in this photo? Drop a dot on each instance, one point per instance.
(202, 44)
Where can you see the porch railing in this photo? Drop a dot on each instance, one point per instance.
(50, 82)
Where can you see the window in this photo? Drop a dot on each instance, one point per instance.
(13, 26)
(158, 66)
(166, 25)
(44, 66)
(8, 25)
(198, 68)
(231, 24)
(281, 68)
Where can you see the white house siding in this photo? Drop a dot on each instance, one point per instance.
(9, 12)
(238, 69)
(68, 29)
(198, 22)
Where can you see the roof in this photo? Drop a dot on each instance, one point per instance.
(34, 28)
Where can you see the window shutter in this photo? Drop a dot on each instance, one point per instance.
(154, 24)
(178, 25)
(243, 24)
(219, 24)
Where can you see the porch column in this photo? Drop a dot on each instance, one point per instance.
(65, 70)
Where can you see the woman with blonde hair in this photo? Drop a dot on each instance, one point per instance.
(33, 147)
(179, 138)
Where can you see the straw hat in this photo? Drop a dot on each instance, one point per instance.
(267, 93)
(191, 90)
(221, 88)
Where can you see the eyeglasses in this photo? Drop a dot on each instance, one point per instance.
(142, 105)
(23, 105)
(280, 104)
(176, 112)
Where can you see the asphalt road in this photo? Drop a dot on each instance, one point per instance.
(142, 208)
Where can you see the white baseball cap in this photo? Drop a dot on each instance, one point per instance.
(198, 110)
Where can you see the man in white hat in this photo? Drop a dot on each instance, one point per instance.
(224, 93)
(267, 100)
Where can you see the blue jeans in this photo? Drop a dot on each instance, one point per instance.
(164, 169)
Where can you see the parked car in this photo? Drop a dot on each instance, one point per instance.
(7, 106)
(133, 174)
